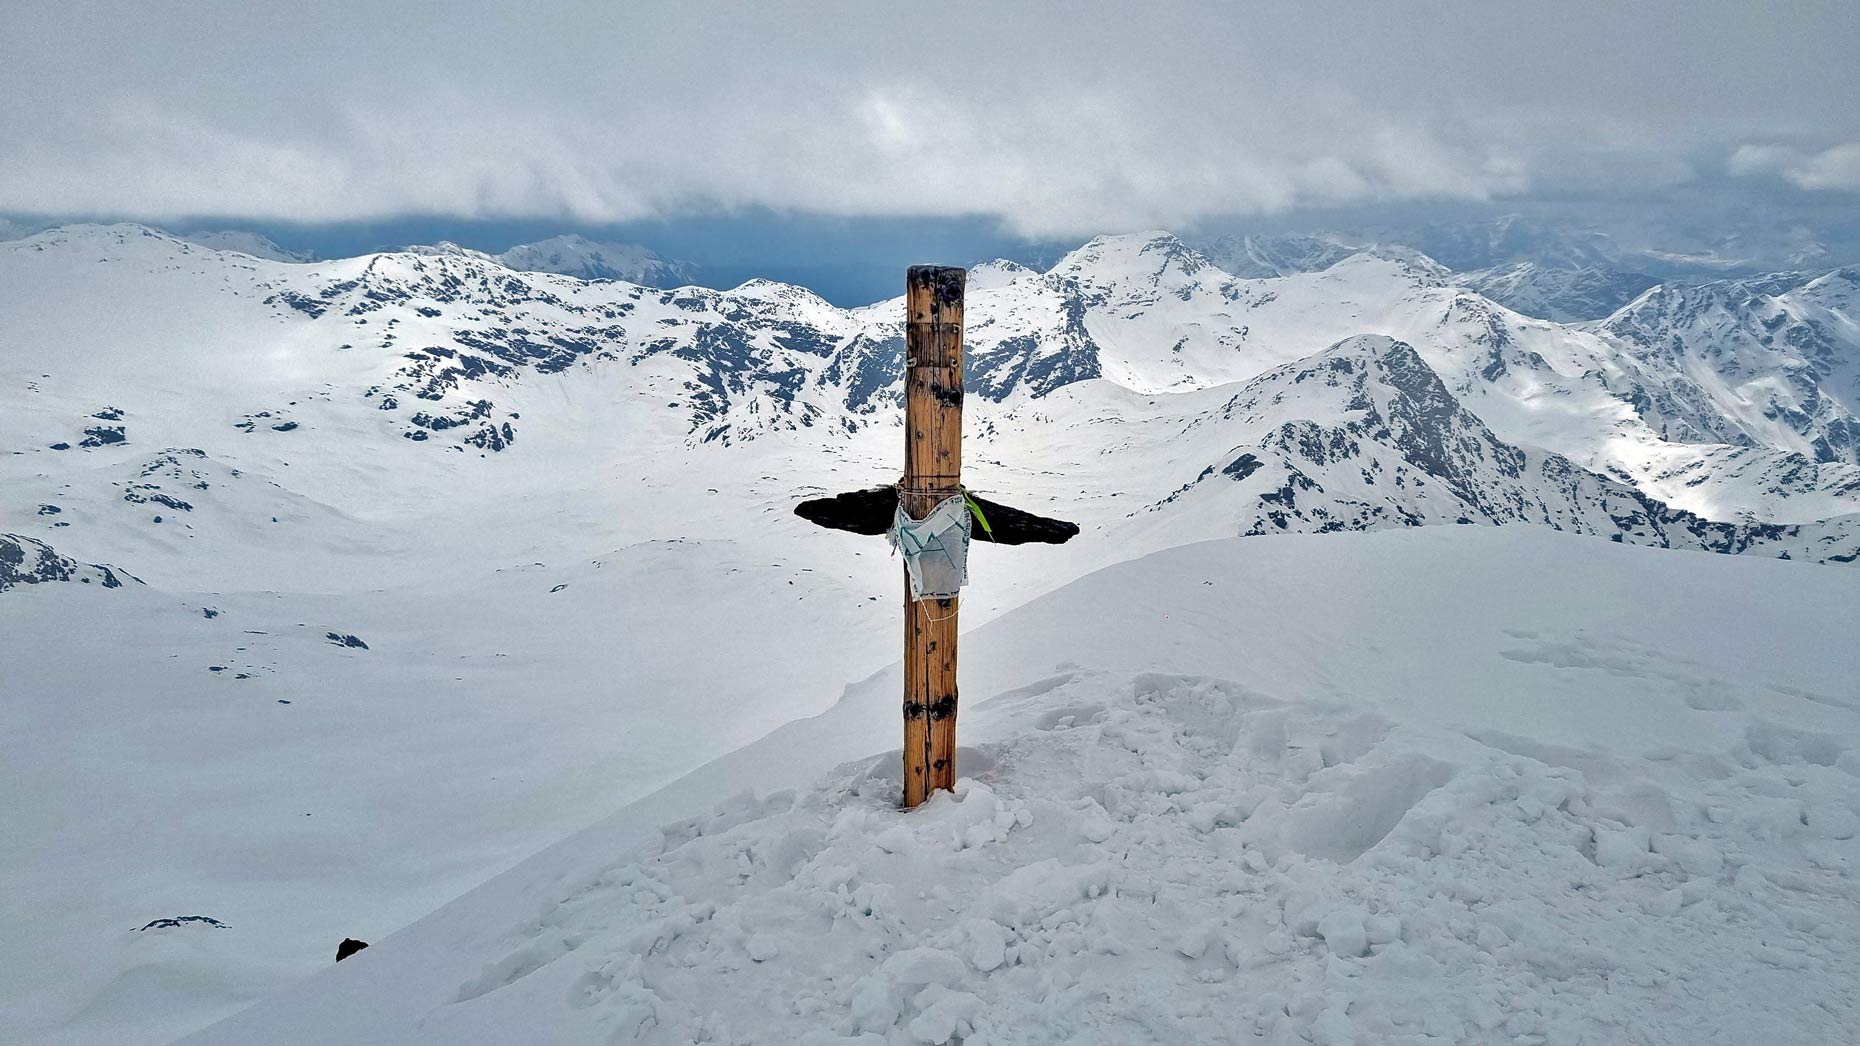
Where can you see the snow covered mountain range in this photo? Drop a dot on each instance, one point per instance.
(1719, 416)
(437, 529)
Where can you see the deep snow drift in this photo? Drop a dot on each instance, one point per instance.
(1445, 785)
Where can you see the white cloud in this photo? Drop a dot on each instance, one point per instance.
(1056, 119)
(1833, 168)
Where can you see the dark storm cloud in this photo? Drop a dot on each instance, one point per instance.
(1056, 119)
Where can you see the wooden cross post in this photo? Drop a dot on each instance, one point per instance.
(932, 474)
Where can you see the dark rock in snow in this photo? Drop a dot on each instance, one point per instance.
(28, 561)
(183, 920)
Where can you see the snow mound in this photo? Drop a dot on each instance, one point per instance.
(1355, 855)
(1181, 859)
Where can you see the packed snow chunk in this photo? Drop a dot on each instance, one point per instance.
(921, 966)
(1029, 894)
(1832, 819)
(1383, 929)
(1349, 808)
(895, 840)
(1750, 881)
(762, 947)
(877, 998)
(1194, 944)
(1344, 933)
(1620, 848)
(874, 1005)
(1491, 937)
(944, 1015)
(1696, 857)
(1333, 1027)
(980, 816)
(987, 943)
(1668, 903)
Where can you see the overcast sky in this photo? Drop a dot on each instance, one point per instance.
(1054, 120)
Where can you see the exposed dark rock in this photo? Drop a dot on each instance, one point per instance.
(1242, 467)
(29, 561)
(183, 920)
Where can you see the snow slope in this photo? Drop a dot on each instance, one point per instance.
(445, 561)
(1563, 295)
(1440, 785)
(240, 241)
(586, 259)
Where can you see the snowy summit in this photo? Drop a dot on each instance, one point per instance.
(950, 526)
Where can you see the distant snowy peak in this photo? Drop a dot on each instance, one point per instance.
(1512, 238)
(767, 290)
(1567, 282)
(1155, 256)
(1771, 360)
(1265, 257)
(446, 249)
(996, 274)
(1365, 435)
(586, 259)
(240, 241)
(1560, 295)
(108, 238)
(104, 240)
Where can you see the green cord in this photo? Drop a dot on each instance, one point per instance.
(977, 511)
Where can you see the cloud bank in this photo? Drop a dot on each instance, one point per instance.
(1833, 168)
(1054, 119)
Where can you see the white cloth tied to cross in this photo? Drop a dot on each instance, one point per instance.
(936, 548)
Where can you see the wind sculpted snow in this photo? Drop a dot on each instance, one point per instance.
(1384, 797)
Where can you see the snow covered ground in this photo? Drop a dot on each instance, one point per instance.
(440, 563)
(1443, 785)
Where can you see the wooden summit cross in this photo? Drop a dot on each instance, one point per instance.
(932, 474)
